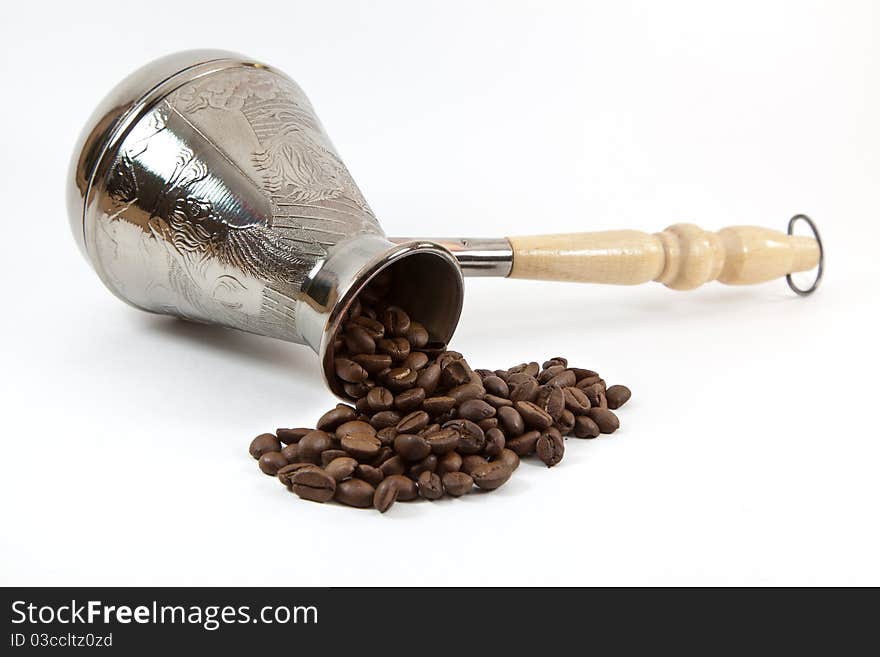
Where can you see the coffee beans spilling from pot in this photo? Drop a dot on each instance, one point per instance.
(423, 423)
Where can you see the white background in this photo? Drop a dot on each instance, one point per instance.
(749, 453)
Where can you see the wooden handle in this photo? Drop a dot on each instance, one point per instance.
(682, 257)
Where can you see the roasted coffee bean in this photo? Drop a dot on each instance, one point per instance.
(361, 445)
(533, 416)
(362, 407)
(385, 419)
(353, 427)
(355, 492)
(359, 341)
(449, 462)
(551, 400)
(271, 462)
(333, 418)
(409, 400)
(455, 374)
(313, 484)
(427, 464)
(330, 455)
(576, 400)
(397, 348)
(431, 428)
(443, 441)
(406, 488)
(556, 360)
(509, 458)
(380, 399)
(475, 410)
(435, 406)
(369, 473)
(291, 452)
(382, 455)
(285, 474)
(394, 465)
(596, 394)
(584, 427)
(429, 378)
(494, 442)
(457, 483)
(617, 396)
(357, 390)
(466, 392)
(490, 476)
(413, 423)
(524, 390)
(502, 374)
(341, 468)
(472, 439)
(489, 423)
(312, 444)
(430, 486)
(563, 379)
(497, 402)
(411, 447)
(396, 321)
(373, 363)
(496, 386)
(290, 436)
(372, 326)
(349, 371)
(525, 444)
(605, 419)
(265, 442)
(511, 421)
(385, 494)
(549, 372)
(415, 361)
(471, 461)
(565, 423)
(550, 447)
(448, 357)
(400, 379)
(387, 435)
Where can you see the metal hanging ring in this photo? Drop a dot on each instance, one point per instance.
(821, 268)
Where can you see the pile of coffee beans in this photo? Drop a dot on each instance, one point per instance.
(423, 423)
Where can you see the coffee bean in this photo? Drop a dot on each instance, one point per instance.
(509, 458)
(455, 374)
(380, 399)
(341, 468)
(429, 378)
(353, 427)
(435, 406)
(396, 321)
(387, 435)
(556, 360)
(385, 494)
(576, 400)
(313, 484)
(494, 442)
(475, 410)
(372, 326)
(525, 444)
(333, 418)
(617, 396)
(488, 423)
(496, 386)
(397, 348)
(411, 447)
(524, 390)
(497, 402)
(584, 427)
(312, 444)
(534, 417)
(596, 394)
(357, 390)
(427, 464)
(490, 476)
(457, 483)
(449, 462)
(430, 486)
(511, 421)
(393, 466)
(355, 492)
(605, 419)
(549, 372)
(466, 392)
(349, 371)
(415, 361)
(434, 427)
(471, 461)
(291, 452)
(382, 455)
(414, 422)
(285, 474)
(565, 423)
(406, 488)
(550, 446)
(271, 462)
(330, 455)
(359, 341)
(443, 441)
(502, 374)
(265, 442)
(290, 436)
(361, 445)
(371, 474)
(551, 400)
(384, 420)
(472, 439)
(373, 363)
(409, 400)
(563, 379)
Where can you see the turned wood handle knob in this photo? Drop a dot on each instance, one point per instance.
(681, 257)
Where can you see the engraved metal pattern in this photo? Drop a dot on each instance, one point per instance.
(220, 201)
